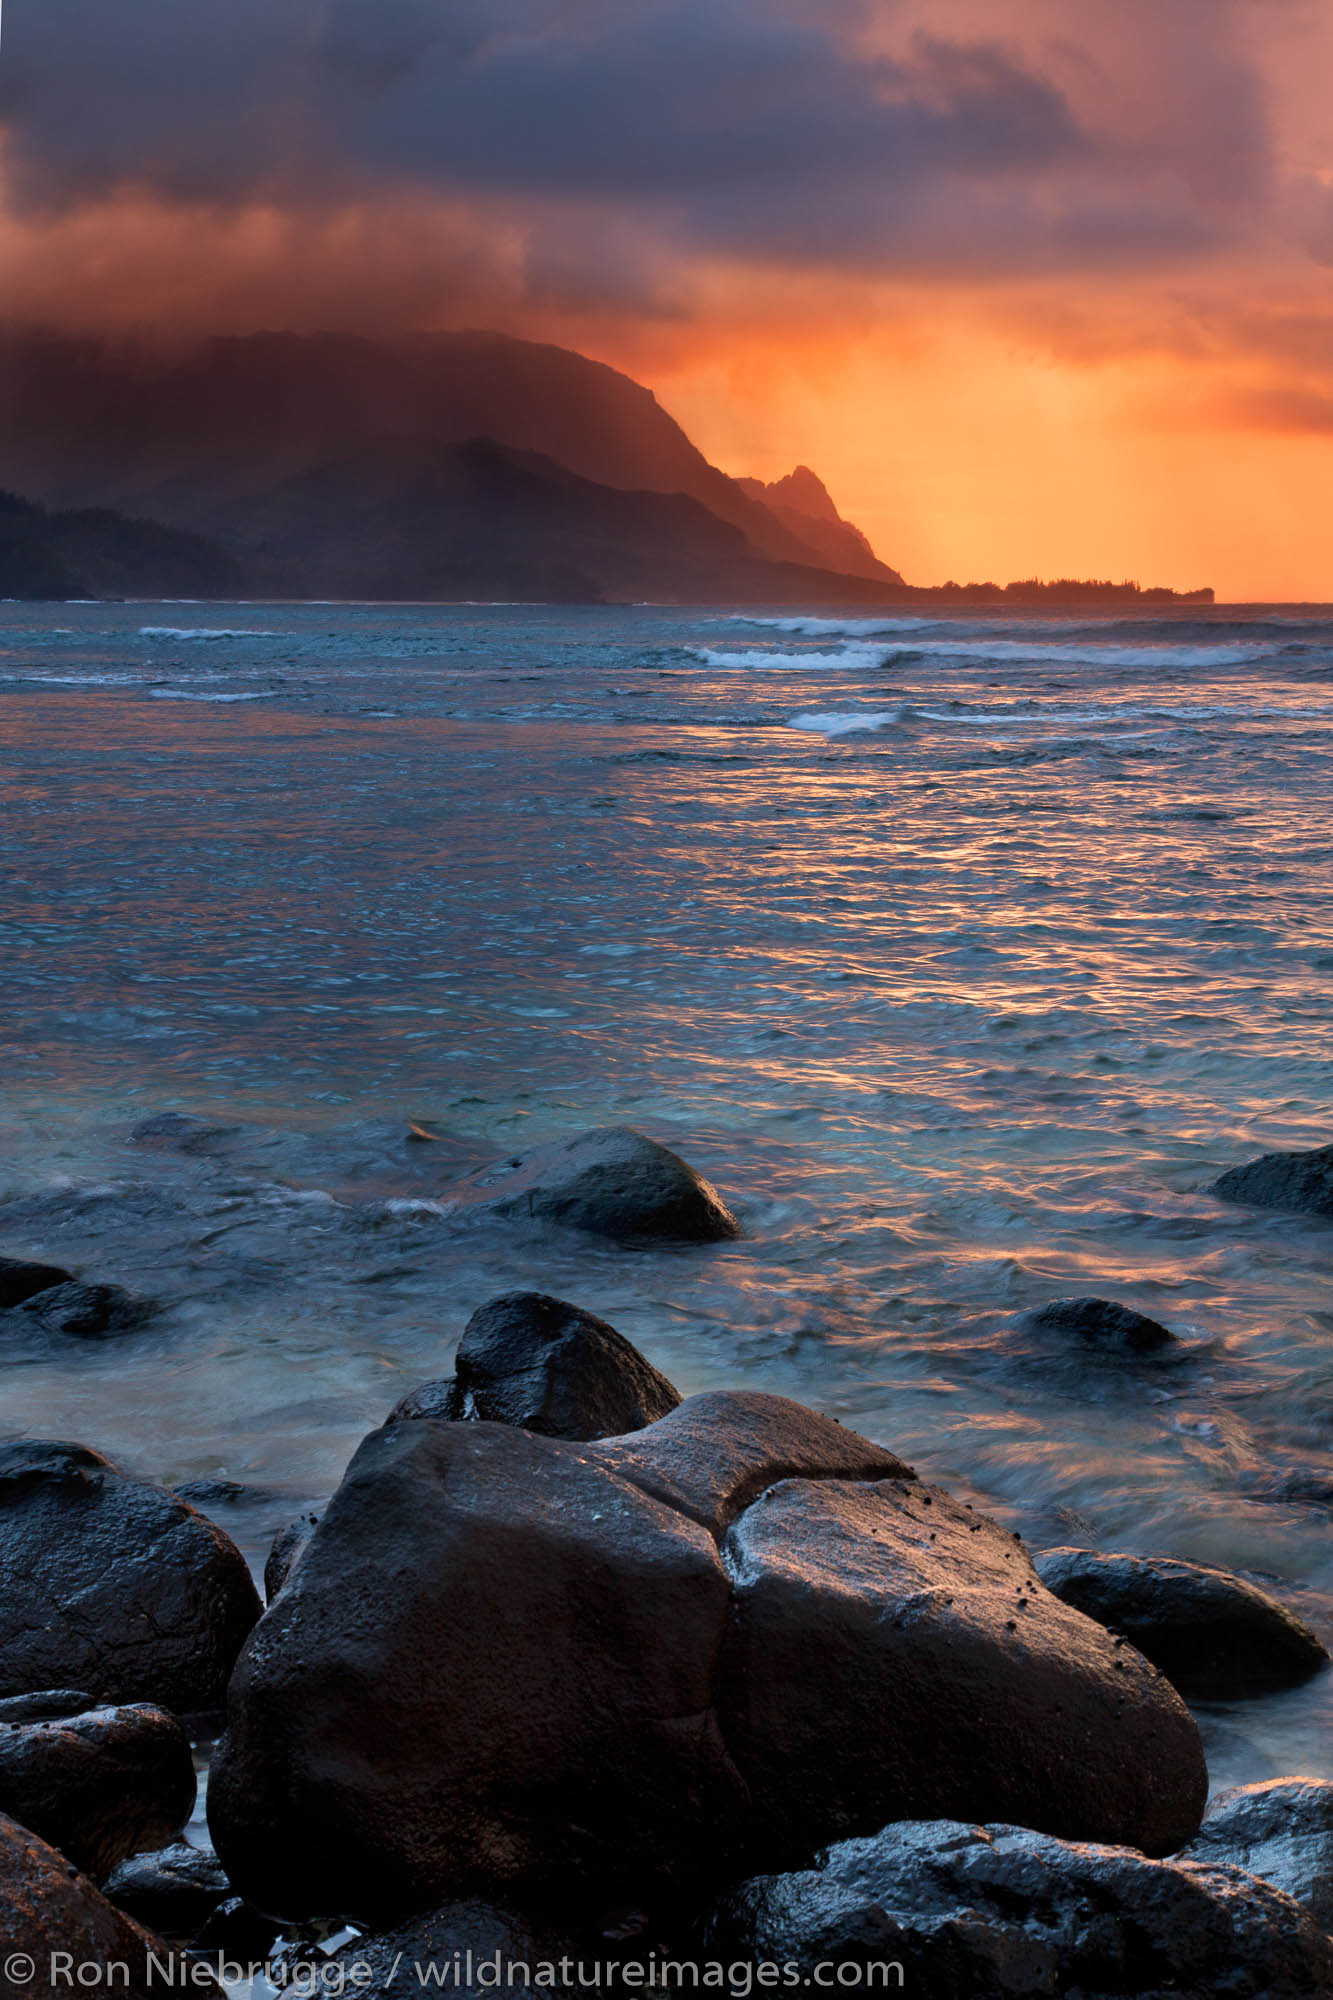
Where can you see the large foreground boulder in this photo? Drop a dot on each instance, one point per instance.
(53, 1921)
(1001, 1913)
(1282, 1830)
(113, 1586)
(1213, 1634)
(611, 1181)
(506, 1663)
(99, 1786)
(1300, 1181)
(535, 1362)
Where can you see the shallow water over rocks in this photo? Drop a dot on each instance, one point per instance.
(960, 957)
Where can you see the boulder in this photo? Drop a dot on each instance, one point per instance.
(463, 1948)
(174, 1891)
(492, 1665)
(112, 1585)
(1299, 1181)
(286, 1551)
(1100, 1324)
(46, 1705)
(508, 1664)
(48, 1908)
(611, 1181)
(1213, 1634)
(21, 1280)
(101, 1785)
(891, 1651)
(1282, 1830)
(718, 1452)
(1002, 1913)
(535, 1362)
(90, 1312)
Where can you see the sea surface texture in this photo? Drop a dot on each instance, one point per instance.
(961, 956)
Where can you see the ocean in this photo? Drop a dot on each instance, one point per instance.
(961, 954)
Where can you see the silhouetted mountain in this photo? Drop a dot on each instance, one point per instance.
(481, 521)
(88, 421)
(93, 552)
(804, 504)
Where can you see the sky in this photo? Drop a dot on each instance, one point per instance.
(1037, 286)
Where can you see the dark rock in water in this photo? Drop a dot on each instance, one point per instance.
(21, 1280)
(1282, 1830)
(101, 1785)
(47, 1705)
(1299, 1181)
(1101, 1323)
(1213, 1634)
(890, 1648)
(179, 1132)
(238, 1932)
(287, 1546)
(90, 1312)
(718, 1452)
(441, 1949)
(46, 1906)
(142, 1599)
(438, 1401)
(174, 1891)
(1001, 1913)
(508, 1662)
(535, 1362)
(613, 1182)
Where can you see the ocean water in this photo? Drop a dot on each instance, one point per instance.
(961, 955)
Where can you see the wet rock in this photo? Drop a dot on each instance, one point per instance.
(179, 1132)
(237, 1932)
(718, 1452)
(566, 1683)
(1212, 1633)
(286, 1551)
(1299, 1181)
(613, 1182)
(46, 1705)
(527, 1642)
(48, 1907)
(101, 1785)
(90, 1312)
(438, 1401)
(1001, 1913)
(1101, 1324)
(467, 1946)
(892, 1652)
(173, 1891)
(21, 1280)
(535, 1362)
(1281, 1830)
(113, 1585)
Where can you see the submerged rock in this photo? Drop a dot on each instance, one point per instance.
(141, 1598)
(90, 1312)
(21, 1280)
(1002, 1913)
(507, 1662)
(613, 1182)
(174, 1891)
(99, 1786)
(1299, 1181)
(1101, 1324)
(535, 1362)
(1212, 1633)
(1282, 1830)
(46, 1907)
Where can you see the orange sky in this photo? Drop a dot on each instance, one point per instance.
(1034, 286)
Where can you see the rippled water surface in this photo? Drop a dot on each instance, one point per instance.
(962, 956)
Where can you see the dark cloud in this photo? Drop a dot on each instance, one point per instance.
(782, 131)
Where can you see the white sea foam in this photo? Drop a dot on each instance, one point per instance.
(202, 632)
(862, 723)
(853, 627)
(757, 660)
(193, 694)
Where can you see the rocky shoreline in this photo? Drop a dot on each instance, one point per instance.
(573, 1669)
